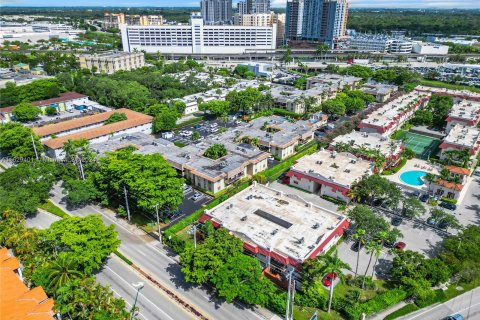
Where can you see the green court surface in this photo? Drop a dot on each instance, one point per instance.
(423, 146)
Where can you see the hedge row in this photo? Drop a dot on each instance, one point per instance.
(449, 200)
(380, 302)
(332, 199)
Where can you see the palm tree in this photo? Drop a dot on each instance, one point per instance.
(62, 270)
(360, 237)
(430, 178)
(321, 48)
(332, 264)
(372, 248)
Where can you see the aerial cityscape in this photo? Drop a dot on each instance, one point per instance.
(240, 160)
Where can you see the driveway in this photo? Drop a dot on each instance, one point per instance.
(468, 212)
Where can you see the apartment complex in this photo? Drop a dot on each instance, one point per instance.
(17, 301)
(369, 146)
(198, 38)
(465, 112)
(216, 11)
(281, 230)
(392, 115)
(461, 137)
(212, 175)
(263, 20)
(460, 94)
(91, 128)
(112, 62)
(324, 20)
(114, 20)
(333, 80)
(329, 173)
(381, 92)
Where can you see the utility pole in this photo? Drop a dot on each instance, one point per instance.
(139, 286)
(158, 224)
(126, 202)
(34, 147)
(80, 165)
(195, 236)
(290, 296)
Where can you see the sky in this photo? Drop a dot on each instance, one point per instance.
(419, 4)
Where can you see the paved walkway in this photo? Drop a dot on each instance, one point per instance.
(382, 314)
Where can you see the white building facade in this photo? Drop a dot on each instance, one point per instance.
(198, 38)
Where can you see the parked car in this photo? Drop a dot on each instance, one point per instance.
(329, 278)
(197, 126)
(389, 244)
(197, 196)
(431, 222)
(443, 224)
(456, 316)
(447, 205)
(400, 246)
(356, 246)
(213, 130)
(214, 125)
(396, 221)
(424, 197)
(187, 189)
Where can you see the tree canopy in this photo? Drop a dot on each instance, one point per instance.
(25, 112)
(215, 151)
(33, 91)
(16, 140)
(116, 117)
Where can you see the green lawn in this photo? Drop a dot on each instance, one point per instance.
(305, 313)
(50, 207)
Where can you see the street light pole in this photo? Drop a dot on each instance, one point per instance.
(158, 224)
(34, 147)
(139, 286)
(126, 202)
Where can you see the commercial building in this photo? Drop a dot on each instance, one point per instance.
(198, 38)
(380, 43)
(382, 92)
(281, 230)
(369, 146)
(429, 48)
(294, 20)
(216, 11)
(92, 128)
(114, 20)
(453, 187)
(324, 20)
(212, 175)
(329, 173)
(260, 69)
(464, 112)
(64, 102)
(460, 138)
(17, 301)
(112, 62)
(392, 115)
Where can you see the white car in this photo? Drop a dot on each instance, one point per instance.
(213, 130)
(187, 133)
(197, 196)
(187, 189)
(214, 125)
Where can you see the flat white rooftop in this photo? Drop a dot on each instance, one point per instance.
(340, 168)
(371, 141)
(463, 93)
(465, 109)
(387, 113)
(463, 136)
(275, 221)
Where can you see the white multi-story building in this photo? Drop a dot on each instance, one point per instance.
(380, 43)
(429, 48)
(263, 20)
(198, 38)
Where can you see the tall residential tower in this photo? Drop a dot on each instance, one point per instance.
(216, 11)
(294, 20)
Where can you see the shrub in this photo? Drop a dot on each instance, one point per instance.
(449, 200)
(175, 243)
(215, 151)
(332, 199)
(380, 302)
(438, 296)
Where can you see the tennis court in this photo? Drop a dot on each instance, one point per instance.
(423, 146)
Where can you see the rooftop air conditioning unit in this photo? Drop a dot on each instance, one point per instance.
(244, 218)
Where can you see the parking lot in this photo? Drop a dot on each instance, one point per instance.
(190, 204)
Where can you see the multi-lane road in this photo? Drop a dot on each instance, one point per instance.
(160, 263)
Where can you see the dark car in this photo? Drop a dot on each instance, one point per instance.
(447, 205)
(329, 278)
(456, 316)
(424, 198)
(400, 246)
(197, 126)
(389, 244)
(443, 225)
(396, 221)
(356, 246)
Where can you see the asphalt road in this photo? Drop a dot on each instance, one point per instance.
(467, 304)
(152, 302)
(159, 262)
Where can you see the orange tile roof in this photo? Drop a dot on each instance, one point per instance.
(133, 119)
(449, 185)
(458, 170)
(17, 302)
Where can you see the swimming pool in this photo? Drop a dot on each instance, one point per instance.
(413, 178)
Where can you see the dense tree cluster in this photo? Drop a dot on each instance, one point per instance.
(215, 151)
(53, 62)
(219, 260)
(25, 112)
(33, 91)
(435, 113)
(116, 117)
(17, 141)
(61, 260)
(347, 102)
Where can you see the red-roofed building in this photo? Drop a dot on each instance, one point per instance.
(17, 301)
(453, 186)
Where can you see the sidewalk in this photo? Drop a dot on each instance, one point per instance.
(382, 314)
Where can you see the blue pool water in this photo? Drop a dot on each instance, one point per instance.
(413, 178)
